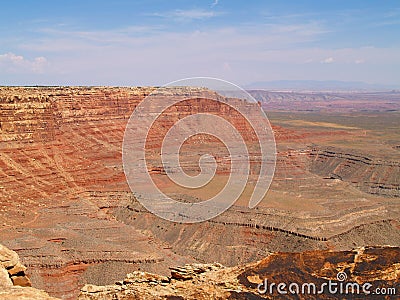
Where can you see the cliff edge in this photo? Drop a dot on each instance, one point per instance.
(14, 283)
(355, 274)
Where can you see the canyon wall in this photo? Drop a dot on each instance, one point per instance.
(66, 208)
(36, 114)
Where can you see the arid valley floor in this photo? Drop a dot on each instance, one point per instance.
(67, 211)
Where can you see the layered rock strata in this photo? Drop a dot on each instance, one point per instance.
(66, 209)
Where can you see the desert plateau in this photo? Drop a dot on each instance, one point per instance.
(67, 211)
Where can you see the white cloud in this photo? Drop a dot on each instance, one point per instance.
(118, 35)
(359, 61)
(14, 63)
(265, 36)
(11, 57)
(133, 56)
(327, 60)
(190, 14)
(215, 3)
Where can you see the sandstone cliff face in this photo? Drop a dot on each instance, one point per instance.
(377, 267)
(14, 283)
(36, 114)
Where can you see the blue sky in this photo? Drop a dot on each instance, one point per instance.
(154, 42)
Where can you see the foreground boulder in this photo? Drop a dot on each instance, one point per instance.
(370, 268)
(14, 283)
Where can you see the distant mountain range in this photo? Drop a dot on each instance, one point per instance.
(315, 85)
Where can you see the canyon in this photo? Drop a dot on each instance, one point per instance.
(67, 210)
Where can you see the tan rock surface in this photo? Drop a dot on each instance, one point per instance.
(24, 293)
(5, 280)
(9, 261)
(14, 283)
(8, 258)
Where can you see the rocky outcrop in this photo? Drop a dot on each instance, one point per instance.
(9, 261)
(14, 283)
(372, 267)
(190, 271)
